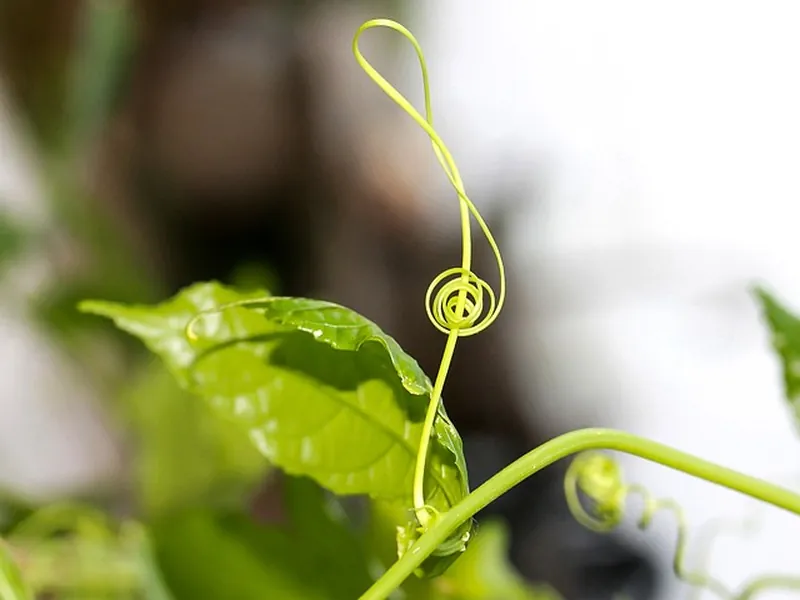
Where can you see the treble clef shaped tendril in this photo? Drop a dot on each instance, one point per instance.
(457, 305)
(458, 302)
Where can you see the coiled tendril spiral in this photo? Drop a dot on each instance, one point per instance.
(442, 302)
(599, 478)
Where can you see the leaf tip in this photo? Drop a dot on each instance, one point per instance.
(94, 307)
(760, 292)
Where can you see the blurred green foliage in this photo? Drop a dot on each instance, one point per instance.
(785, 328)
(14, 240)
(185, 528)
(314, 555)
(186, 456)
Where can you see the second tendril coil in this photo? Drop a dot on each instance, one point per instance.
(599, 478)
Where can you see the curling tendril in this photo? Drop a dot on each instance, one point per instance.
(709, 534)
(600, 480)
(458, 302)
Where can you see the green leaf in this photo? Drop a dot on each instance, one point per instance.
(322, 391)
(485, 573)
(72, 551)
(12, 586)
(97, 73)
(186, 455)
(785, 327)
(13, 239)
(313, 557)
(316, 519)
(152, 582)
(342, 329)
(86, 569)
(202, 556)
(162, 328)
(13, 510)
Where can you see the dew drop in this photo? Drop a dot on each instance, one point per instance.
(242, 408)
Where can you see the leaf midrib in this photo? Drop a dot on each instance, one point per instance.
(401, 441)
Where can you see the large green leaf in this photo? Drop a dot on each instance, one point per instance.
(185, 454)
(322, 391)
(312, 557)
(785, 327)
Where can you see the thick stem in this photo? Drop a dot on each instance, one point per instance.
(556, 449)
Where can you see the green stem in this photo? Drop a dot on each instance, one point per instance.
(556, 449)
(427, 429)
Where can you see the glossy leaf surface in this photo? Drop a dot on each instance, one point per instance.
(162, 327)
(322, 391)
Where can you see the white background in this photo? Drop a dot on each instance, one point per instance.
(663, 139)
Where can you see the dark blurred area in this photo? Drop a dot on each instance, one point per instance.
(188, 140)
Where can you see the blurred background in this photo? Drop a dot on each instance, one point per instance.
(637, 160)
